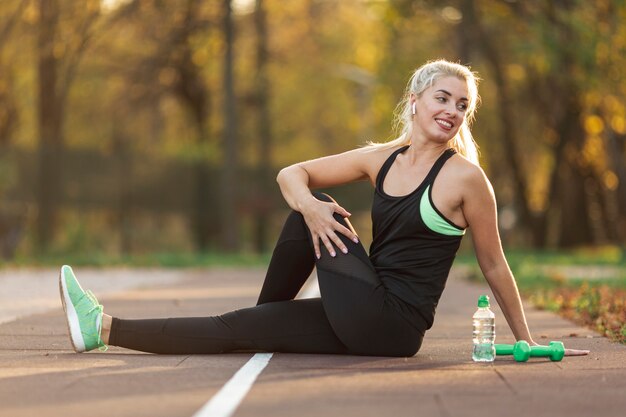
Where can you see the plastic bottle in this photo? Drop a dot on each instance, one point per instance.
(484, 332)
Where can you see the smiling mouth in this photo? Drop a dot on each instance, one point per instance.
(444, 124)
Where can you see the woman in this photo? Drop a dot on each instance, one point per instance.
(428, 190)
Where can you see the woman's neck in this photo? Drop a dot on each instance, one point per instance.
(424, 151)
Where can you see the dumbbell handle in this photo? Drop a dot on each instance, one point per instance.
(504, 349)
(541, 351)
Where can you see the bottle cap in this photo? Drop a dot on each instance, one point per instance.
(483, 301)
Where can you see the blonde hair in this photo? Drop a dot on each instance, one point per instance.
(423, 78)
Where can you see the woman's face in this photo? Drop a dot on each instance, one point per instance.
(441, 108)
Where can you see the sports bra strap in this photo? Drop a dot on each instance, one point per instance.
(382, 173)
(430, 177)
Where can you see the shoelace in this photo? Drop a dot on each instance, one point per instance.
(97, 306)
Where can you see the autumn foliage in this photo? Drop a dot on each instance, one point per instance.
(133, 126)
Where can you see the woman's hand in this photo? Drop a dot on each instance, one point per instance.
(318, 216)
(576, 352)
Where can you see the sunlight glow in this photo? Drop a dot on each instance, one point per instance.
(243, 6)
(110, 5)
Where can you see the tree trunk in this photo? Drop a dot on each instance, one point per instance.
(54, 83)
(195, 93)
(616, 146)
(575, 226)
(229, 221)
(264, 187)
(567, 191)
(49, 122)
(464, 43)
(124, 159)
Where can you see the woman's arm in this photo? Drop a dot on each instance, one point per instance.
(479, 209)
(296, 182)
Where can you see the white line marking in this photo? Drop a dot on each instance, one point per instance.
(226, 401)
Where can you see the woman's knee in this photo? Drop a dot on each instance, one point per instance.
(328, 199)
(412, 351)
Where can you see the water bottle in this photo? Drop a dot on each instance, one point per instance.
(484, 332)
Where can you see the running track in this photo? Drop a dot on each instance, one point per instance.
(41, 376)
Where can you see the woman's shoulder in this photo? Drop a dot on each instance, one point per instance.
(375, 156)
(465, 171)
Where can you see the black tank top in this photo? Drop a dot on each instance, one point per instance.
(412, 260)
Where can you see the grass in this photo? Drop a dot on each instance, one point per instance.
(162, 260)
(587, 286)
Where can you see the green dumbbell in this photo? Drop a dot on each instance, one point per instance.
(522, 351)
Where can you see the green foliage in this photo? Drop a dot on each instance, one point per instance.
(587, 286)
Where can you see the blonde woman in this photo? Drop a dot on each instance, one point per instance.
(428, 189)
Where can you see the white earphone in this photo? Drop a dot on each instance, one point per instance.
(414, 109)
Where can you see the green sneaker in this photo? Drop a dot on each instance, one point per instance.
(83, 313)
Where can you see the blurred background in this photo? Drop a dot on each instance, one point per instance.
(131, 127)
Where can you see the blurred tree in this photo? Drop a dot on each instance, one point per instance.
(12, 217)
(473, 31)
(8, 105)
(535, 62)
(228, 215)
(263, 207)
(569, 184)
(167, 62)
(317, 77)
(570, 74)
(50, 115)
(61, 43)
(191, 87)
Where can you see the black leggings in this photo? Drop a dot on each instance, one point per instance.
(355, 314)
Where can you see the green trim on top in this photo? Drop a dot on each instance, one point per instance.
(433, 220)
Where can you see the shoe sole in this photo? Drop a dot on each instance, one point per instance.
(71, 317)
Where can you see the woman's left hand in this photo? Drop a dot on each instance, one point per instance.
(576, 352)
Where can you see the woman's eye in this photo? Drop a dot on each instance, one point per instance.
(462, 107)
(441, 99)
